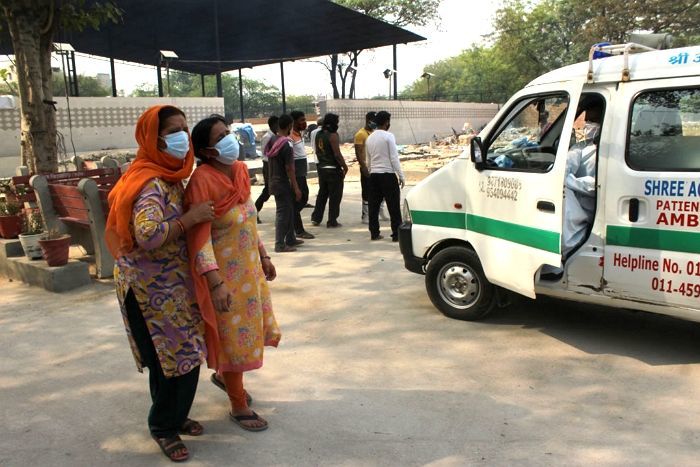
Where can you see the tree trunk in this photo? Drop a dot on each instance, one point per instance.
(31, 30)
(333, 70)
(353, 62)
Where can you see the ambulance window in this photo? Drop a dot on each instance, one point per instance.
(527, 137)
(665, 131)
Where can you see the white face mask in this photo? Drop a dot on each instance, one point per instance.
(177, 144)
(227, 148)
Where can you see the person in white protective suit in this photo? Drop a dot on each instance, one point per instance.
(579, 190)
(579, 185)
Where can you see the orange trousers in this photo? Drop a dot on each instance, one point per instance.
(234, 389)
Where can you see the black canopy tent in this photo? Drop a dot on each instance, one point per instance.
(214, 36)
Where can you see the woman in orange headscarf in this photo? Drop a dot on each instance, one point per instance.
(145, 233)
(230, 267)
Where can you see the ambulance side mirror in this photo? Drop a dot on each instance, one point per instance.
(477, 153)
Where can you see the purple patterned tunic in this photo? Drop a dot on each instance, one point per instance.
(158, 273)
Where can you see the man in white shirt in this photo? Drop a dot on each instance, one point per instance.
(386, 176)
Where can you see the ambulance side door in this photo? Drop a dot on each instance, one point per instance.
(652, 199)
(514, 205)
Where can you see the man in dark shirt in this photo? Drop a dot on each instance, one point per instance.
(283, 185)
(331, 169)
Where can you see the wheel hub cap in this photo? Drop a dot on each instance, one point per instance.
(459, 285)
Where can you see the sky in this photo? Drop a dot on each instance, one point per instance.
(462, 23)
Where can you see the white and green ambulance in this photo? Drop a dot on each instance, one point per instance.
(516, 212)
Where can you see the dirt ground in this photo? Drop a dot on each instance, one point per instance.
(368, 373)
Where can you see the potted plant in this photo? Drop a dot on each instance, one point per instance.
(33, 231)
(55, 247)
(10, 218)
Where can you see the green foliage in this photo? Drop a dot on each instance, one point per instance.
(397, 12)
(78, 15)
(532, 38)
(259, 98)
(88, 86)
(9, 207)
(7, 86)
(476, 75)
(32, 223)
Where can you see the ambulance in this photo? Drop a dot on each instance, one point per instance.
(584, 187)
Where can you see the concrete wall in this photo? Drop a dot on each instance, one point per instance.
(100, 122)
(412, 122)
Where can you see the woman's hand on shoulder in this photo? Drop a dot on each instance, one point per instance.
(198, 213)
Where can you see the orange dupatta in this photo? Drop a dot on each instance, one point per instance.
(150, 163)
(206, 184)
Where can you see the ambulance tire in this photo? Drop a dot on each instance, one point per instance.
(457, 286)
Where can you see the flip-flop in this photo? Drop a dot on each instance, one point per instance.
(170, 445)
(220, 384)
(191, 428)
(237, 419)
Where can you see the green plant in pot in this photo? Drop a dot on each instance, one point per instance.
(56, 248)
(32, 232)
(10, 218)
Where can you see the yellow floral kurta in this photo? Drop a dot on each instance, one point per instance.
(249, 324)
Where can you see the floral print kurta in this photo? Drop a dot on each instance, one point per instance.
(249, 324)
(158, 273)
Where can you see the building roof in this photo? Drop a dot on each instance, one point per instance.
(211, 36)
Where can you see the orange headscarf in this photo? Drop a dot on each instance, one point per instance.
(206, 184)
(150, 163)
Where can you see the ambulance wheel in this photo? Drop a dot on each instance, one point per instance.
(457, 285)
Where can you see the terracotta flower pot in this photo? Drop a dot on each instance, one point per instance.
(56, 250)
(10, 226)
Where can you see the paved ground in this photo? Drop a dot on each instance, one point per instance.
(368, 373)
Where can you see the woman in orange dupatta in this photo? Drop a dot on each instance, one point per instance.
(144, 232)
(230, 267)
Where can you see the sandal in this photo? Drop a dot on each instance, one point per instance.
(170, 446)
(220, 384)
(238, 419)
(191, 428)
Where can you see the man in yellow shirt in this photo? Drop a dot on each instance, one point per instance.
(361, 155)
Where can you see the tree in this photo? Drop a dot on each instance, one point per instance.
(259, 98)
(476, 75)
(89, 86)
(31, 24)
(554, 33)
(397, 12)
(530, 39)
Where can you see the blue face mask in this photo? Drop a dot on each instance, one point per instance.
(177, 144)
(227, 148)
(372, 125)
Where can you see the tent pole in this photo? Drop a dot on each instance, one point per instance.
(284, 95)
(219, 86)
(114, 77)
(204, 93)
(240, 94)
(396, 78)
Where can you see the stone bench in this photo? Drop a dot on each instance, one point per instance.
(76, 203)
